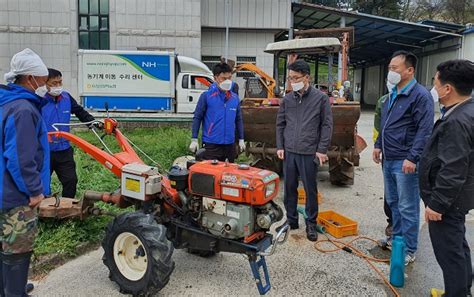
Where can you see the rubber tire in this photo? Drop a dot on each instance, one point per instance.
(200, 253)
(158, 248)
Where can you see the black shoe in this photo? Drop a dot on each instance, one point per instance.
(311, 233)
(29, 288)
(388, 230)
(294, 226)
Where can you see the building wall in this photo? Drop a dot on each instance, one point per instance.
(246, 14)
(48, 27)
(155, 24)
(242, 43)
(373, 87)
(428, 64)
(468, 46)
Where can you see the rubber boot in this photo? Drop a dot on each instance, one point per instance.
(15, 274)
(2, 290)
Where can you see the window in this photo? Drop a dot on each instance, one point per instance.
(211, 61)
(185, 83)
(94, 24)
(200, 83)
(245, 60)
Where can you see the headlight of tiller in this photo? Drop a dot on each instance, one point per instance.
(270, 189)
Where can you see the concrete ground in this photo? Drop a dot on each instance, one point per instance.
(295, 269)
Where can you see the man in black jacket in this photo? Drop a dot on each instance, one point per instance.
(304, 128)
(447, 175)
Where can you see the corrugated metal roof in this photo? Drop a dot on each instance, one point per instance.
(376, 38)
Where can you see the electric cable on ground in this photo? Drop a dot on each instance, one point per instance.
(350, 248)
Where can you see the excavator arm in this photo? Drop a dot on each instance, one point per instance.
(266, 79)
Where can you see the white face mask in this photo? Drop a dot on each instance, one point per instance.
(56, 91)
(226, 85)
(40, 91)
(394, 77)
(297, 86)
(390, 87)
(435, 95)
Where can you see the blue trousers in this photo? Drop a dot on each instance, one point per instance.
(294, 166)
(403, 198)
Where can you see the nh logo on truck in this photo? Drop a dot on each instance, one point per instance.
(148, 64)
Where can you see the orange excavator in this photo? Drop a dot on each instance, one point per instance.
(205, 207)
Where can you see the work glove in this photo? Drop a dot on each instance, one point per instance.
(193, 147)
(97, 125)
(241, 145)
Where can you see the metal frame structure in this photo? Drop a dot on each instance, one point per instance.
(375, 38)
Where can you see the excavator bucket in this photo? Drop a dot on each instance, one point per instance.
(346, 145)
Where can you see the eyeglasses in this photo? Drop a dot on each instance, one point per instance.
(294, 78)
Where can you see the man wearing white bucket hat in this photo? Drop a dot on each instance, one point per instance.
(24, 167)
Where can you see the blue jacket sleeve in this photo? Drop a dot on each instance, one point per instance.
(199, 113)
(21, 145)
(423, 115)
(239, 123)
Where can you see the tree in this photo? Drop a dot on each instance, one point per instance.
(385, 8)
(423, 9)
(459, 11)
(455, 11)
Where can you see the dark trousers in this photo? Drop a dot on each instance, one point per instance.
(62, 162)
(387, 211)
(386, 208)
(219, 152)
(294, 166)
(452, 252)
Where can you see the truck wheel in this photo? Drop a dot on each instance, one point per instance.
(138, 254)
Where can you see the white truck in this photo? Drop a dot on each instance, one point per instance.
(144, 81)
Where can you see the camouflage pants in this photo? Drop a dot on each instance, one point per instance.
(18, 230)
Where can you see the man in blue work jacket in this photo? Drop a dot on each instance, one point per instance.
(24, 167)
(60, 105)
(218, 110)
(406, 125)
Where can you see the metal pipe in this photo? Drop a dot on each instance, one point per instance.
(226, 13)
(183, 198)
(445, 33)
(349, 154)
(339, 60)
(112, 198)
(291, 16)
(330, 78)
(276, 64)
(316, 69)
(403, 44)
(154, 119)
